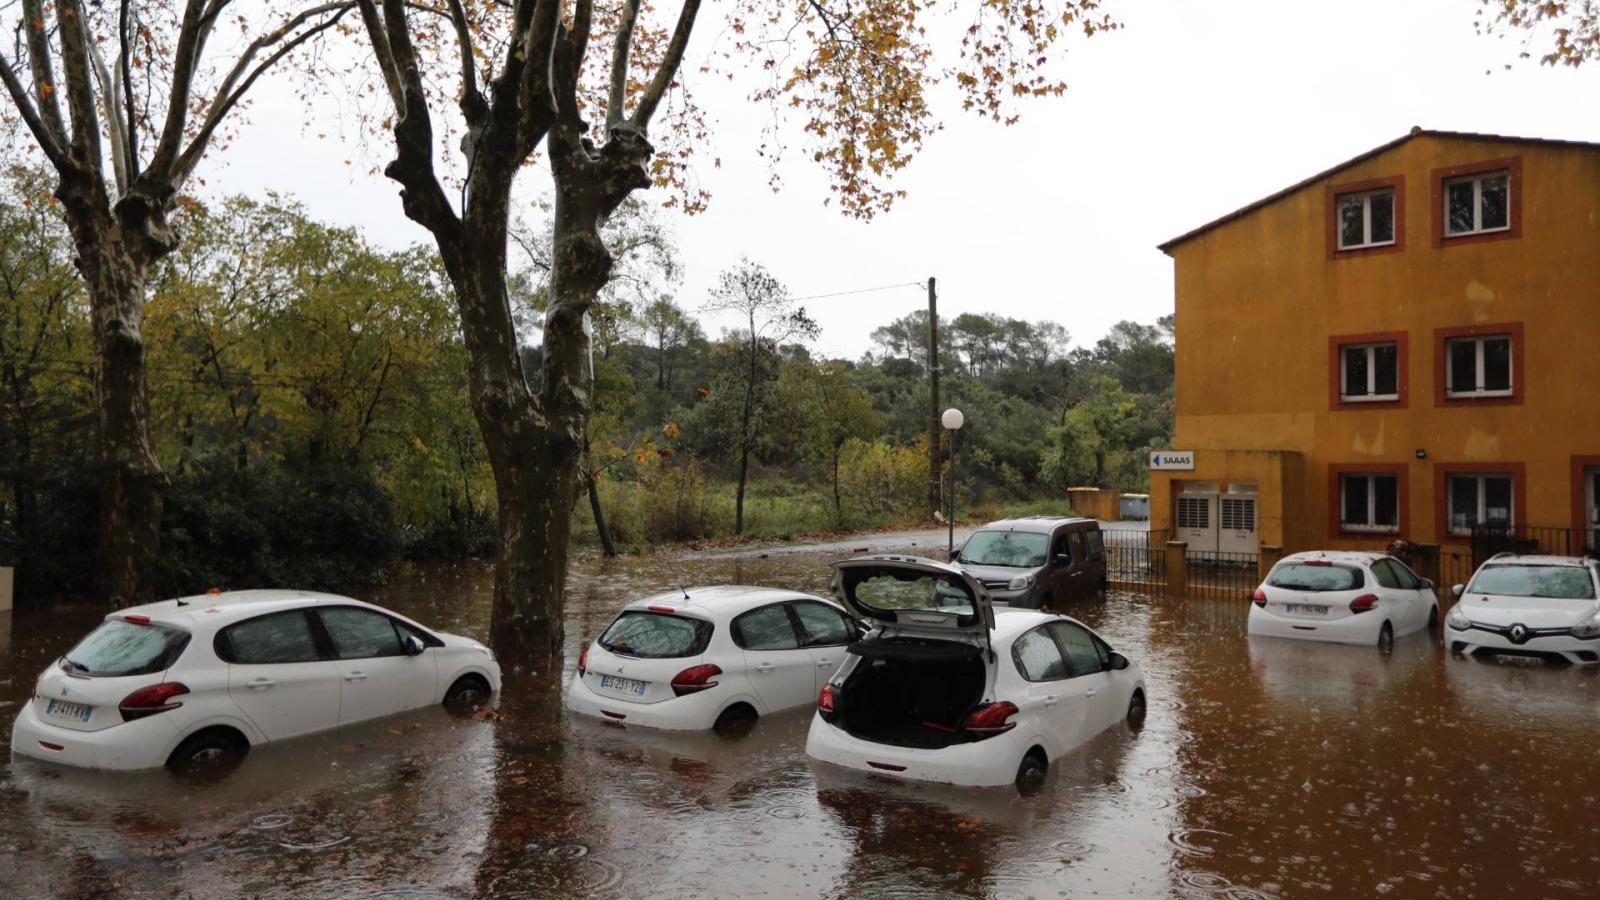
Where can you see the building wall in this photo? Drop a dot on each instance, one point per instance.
(1259, 297)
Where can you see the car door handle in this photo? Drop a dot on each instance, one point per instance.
(821, 663)
(1090, 692)
(356, 676)
(259, 684)
(764, 667)
(1049, 701)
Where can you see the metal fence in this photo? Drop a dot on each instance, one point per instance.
(1136, 557)
(1225, 574)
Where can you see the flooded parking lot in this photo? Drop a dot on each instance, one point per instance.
(1264, 769)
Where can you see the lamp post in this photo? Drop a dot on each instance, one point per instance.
(952, 421)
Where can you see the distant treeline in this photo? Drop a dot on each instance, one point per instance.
(309, 401)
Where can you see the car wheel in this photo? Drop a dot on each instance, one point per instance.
(735, 722)
(208, 751)
(468, 691)
(1386, 639)
(1136, 711)
(1031, 772)
(1433, 621)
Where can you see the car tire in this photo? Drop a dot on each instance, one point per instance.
(209, 751)
(467, 692)
(735, 722)
(1136, 711)
(1386, 639)
(1030, 772)
(1433, 621)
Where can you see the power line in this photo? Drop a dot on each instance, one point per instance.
(887, 287)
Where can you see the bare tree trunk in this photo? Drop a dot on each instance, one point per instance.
(607, 546)
(838, 505)
(738, 497)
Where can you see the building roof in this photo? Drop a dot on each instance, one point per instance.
(1362, 157)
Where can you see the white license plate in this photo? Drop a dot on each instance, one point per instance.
(624, 685)
(1304, 609)
(75, 712)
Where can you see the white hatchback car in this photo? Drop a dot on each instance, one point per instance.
(1529, 606)
(1343, 597)
(709, 657)
(202, 679)
(946, 688)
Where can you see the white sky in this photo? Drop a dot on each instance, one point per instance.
(1189, 112)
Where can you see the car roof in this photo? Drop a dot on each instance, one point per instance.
(1352, 557)
(720, 598)
(1539, 560)
(227, 607)
(1009, 622)
(1036, 524)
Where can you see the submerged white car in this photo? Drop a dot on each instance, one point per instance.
(946, 688)
(711, 657)
(203, 679)
(1343, 597)
(1529, 606)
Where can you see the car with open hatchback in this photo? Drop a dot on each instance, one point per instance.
(1344, 597)
(1537, 606)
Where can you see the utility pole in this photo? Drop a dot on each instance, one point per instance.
(935, 464)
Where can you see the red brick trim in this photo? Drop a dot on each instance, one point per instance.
(1398, 182)
(1519, 351)
(1402, 473)
(1513, 166)
(1441, 505)
(1402, 364)
(1579, 463)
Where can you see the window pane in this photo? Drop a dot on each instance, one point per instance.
(1497, 500)
(1355, 372)
(1497, 364)
(1458, 207)
(1384, 574)
(1463, 367)
(359, 634)
(1386, 369)
(1037, 657)
(1350, 225)
(120, 648)
(281, 638)
(1463, 502)
(765, 629)
(1082, 655)
(1386, 501)
(656, 636)
(1354, 491)
(1382, 206)
(1496, 193)
(824, 626)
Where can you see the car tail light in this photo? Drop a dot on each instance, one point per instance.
(1363, 603)
(1315, 562)
(663, 609)
(991, 719)
(148, 701)
(137, 620)
(1259, 598)
(583, 662)
(825, 703)
(694, 679)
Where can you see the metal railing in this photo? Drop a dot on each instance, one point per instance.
(1487, 540)
(1213, 572)
(1136, 557)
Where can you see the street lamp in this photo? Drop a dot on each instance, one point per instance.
(952, 421)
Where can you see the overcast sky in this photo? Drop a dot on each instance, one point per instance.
(1189, 112)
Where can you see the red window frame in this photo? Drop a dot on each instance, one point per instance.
(1519, 351)
(1334, 192)
(1402, 473)
(1402, 362)
(1441, 499)
(1513, 167)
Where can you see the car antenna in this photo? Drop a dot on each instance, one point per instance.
(685, 593)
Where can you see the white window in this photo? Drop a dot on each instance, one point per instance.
(1366, 219)
(1478, 366)
(1478, 500)
(1477, 204)
(1369, 503)
(1369, 372)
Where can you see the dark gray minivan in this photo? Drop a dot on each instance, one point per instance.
(1032, 561)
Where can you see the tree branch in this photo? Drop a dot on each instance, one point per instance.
(41, 133)
(619, 64)
(44, 78)
(130, 137)
(111, 87)
(669, 65)
(73, 28)
(543, 27)
(378, 38)
(472, 104)
(184, 61)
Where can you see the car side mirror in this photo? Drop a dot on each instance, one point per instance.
(413, 646)
(1118, 661)
(1063, 559)
(1427, 584)
(1459, 589)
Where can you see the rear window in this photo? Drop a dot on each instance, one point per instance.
(890, 589)
(1554, 582)
(657, 635)
(1310, 577)
(119, 648)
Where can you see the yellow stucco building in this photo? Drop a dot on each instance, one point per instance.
(1403, 346)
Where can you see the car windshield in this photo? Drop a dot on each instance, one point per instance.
(1553, 582)
(119, 648)
(890, 589)
(1315, 577)
(656, 635)
(1011, 549)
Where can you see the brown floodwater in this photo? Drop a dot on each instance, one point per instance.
(1265, 769)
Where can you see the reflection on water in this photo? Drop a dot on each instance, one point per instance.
(1265, 768)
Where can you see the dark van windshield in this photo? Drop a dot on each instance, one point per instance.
(120, 648)
(1012, 549)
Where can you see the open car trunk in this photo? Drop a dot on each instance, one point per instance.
(911, 692)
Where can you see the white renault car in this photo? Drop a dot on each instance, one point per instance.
(1529, 606)
(946, 688)
(1344, 598)
(711, 657)
(202, 679)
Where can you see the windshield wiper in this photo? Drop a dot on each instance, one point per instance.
(73, 666)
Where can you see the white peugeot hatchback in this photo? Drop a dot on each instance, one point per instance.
(1344, 598)
(711, 657)
(946, 688)
(202, 679)
(1529, 606)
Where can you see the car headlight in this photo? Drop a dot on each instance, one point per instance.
(1458, 618)
(1021, 582)
(1588, 629)
(484, 650)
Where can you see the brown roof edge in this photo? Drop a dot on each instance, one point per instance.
(1361, 157)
